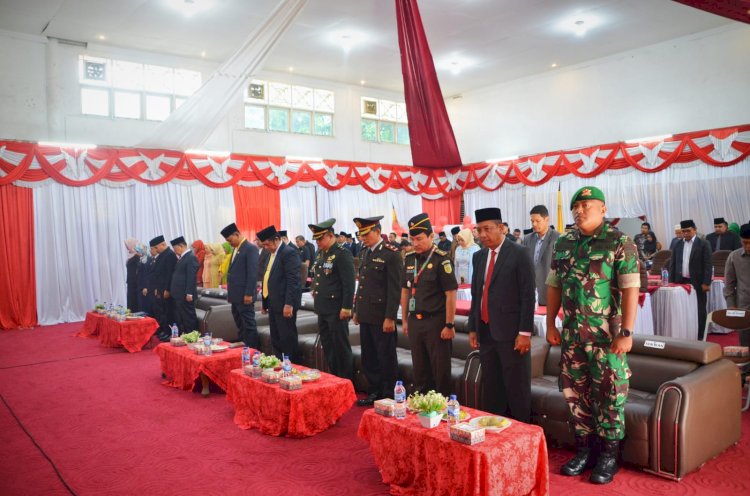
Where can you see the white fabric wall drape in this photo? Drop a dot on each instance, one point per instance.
(80, 233)
(195, 120)
(688, 191)
(298, 210)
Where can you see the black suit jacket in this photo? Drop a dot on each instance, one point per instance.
(284, 280)
(729, 241)
(511, 292)
(163, 270)
(699, 264)
(242, 275)
(184, 277)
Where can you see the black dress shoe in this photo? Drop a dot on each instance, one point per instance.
(583, 460)
(606, 466)
(369, 401)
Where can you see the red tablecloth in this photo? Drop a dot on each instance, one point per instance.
(277, 412)
(132, 335)
(183, 367)
(416, 460)
(687, 287)
(91, 325)
(463, 307)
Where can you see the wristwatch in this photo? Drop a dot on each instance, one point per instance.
(449, 325)
(626, 333)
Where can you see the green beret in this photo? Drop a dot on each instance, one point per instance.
(587, 193)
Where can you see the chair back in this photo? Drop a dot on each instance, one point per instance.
(660, 260)
(303, 270)
(719, 261)
(735, 319)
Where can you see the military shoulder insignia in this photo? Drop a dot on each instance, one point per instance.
(378, 260)
(440, 252)
(447, 266)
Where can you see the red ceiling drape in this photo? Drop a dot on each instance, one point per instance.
(443, 211)
(739, 10)
(433, 144)
(255, 208)
(17, 273)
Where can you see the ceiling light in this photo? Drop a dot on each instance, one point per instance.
(211, 153)
(554, 65)
(362, 82)
(455, 64)
(291, 69)
(579, 27)
(580, 23)
(189, 8)
(203, 53)
(648, 139)
(102, 37)
(57, 144)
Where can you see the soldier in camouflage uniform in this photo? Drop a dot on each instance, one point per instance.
(595, 277)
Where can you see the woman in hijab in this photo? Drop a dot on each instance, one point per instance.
(464, 253)
(650, 247)
(199, 249)
(214, 260)
(224, 267)
(131, 278)
(144, 299)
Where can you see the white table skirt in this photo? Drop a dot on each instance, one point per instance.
(644, 319)
(716, 301)
(675, 313)
(463, 294)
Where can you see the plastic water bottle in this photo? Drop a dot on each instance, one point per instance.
(664, 277)
(175, 331)
(245, 356)
(207, 344)
(454, 410)
(399, 394)
(256, 359)
(286, 365)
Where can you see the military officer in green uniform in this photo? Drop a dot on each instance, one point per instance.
(333, 294)
(594, 276)
(428, 307)
(376, 309)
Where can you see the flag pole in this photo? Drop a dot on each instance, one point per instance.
(560, 226)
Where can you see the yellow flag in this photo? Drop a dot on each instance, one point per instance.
(560, 226)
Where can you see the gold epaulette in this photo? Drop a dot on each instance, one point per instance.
(440, 252)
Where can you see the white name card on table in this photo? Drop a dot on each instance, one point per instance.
(736, 313)
(658, 345)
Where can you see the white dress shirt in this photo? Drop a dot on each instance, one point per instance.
(687, 248)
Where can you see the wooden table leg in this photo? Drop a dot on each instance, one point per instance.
(204, 383)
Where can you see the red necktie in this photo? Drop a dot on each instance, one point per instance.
(486, 291)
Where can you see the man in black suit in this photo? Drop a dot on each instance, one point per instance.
(162, 281)
(285, 238)
(540, 244)
(376, 308)
(691, 264)
(242, 277)
(281, 292)
(502, 317)
(183, 288)
(443, 242)
(722, 238)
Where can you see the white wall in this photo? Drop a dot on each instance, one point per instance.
(40, 100)
(688, 84)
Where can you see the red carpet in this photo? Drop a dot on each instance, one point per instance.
(102, 419)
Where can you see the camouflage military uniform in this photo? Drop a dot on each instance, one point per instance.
(591, 271)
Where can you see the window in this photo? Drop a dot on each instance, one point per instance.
(131, 90)
(288, 108)
(384, 121)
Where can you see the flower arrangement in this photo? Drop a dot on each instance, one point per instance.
(269, 361)
(430, 403)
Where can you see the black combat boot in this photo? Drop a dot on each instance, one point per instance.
(606, 466)
(583, 459)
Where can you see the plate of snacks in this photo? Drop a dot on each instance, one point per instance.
(493, 423)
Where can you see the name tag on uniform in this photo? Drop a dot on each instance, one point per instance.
(412, 304)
